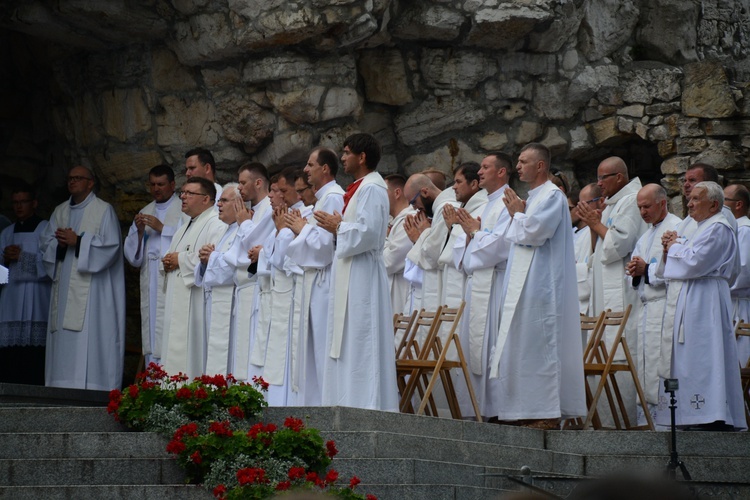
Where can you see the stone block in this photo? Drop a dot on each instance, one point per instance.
(707, 93)
(633, 111)
(667, 30)
(243, 121)
(641, 130)
(663, 108)
(339, 70)
(224, 77)
(552, 100)
(676, 165)
(689, 127)
(689, 145)
(505, 26)
(299, 106)
(429, 22)
(435, 116)
(493, 141)
(580, 142)
(647, 81)
(287, 146)
(666, 148)
(461, 69)
(168, 75)
(523, 63)
(728, 127)
(659, 133)
(513, 110)
(125, 113)
(341, 102)
(568, 16)
(445, 158)
(605, 132)
(511, 89)
(554, 141)
(625, 125)
(184, 121)
(527, 132)
(721, 154)
(120, 167)
(384, 75)
(606, 25)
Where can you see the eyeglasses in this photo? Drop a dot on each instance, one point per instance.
(190, 193)
(78, 178)
(594, 200)
(414, 200)
(221, 200)
(300, 191)
(602, 177)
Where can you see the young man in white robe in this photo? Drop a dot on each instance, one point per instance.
(286, 293)
(428, 231)
(185, 337)
(652, 291)
(591, 194)
(255, 224)
(24, 300)
(217, 280)
(199, 162)
(482, 255)
(737, 199)
(538, 358)
(360, 370)
(313, 250)
(82, 253)
(616, 231)
(704, 351)
(397, 243)
(147, 242)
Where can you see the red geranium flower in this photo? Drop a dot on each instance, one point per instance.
(371, 497)
(184, 393)
(175, 447)
(354, 481)
(133, 391)
(200, 393)
(260, 383)
(196, 457)
(296, 473)
(331, 450)
(332, 476)
(255, 430)
(250, 475)
(221, 429)
(236, 412)
(294, 423)
(283, 486)
(219, 491)
(270, 428)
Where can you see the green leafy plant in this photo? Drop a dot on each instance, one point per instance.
(218, 440)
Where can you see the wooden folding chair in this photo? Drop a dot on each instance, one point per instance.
(433, 359)
(742, 329)
(403, 324)
(591, 326)
(409, 349)
(601, 362)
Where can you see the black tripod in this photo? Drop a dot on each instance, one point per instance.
(671, 385)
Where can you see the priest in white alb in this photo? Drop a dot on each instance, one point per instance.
(360, 370)
(147, 242)
(82, 253)
(184, 342)
(704, 351)
(538, 356)
(737, 199)
(397, 243)
(652, 291)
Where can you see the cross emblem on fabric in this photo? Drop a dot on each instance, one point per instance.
(696, 401)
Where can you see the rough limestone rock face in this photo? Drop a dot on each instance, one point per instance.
(122, 86)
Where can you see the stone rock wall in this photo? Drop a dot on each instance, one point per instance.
(122, 85)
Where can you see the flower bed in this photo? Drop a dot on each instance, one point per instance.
(218, 440)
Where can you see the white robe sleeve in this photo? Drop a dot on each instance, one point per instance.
(314, 246)
(101, 250)
(623, 234)
(367, 232)
(536, 229)
(134, 246)
(709, 250)
(488, 249)
(743, 238)
(397, 245)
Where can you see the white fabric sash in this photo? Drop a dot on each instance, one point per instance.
(519, 270)
(344, 269)
(80, 283)
(674, 288)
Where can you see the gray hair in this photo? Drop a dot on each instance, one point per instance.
(231, 185)
(713, 191)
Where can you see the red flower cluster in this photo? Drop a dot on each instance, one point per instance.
(296, 473)
(331, 450)
(312, 477)
(283, 485)
(332, 476)
(190, 429)
(260, 382)
(260, 428)
(294, 423)
(236, 412)
(133, 391)
(371, 497)
(200, 393)
(180, 377)
(220, 491)
(115, 396)
(175, 447)
(221, 428)
(250, 475)
(354, 481)
(184, 393)
(216, 380)
(196, 457)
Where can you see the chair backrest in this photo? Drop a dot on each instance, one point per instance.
(592, 324)
(428, 319)
(599, 352)
(448, 316)
(403, 324)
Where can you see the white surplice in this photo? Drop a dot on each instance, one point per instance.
(704, 355)
(184, 337)
(397, 245)
(218, 296)
(652, 292)
(313, 250)
(538, 357)
(247, 290)
(426, 252)
(360, 369)
(146, 254)
(86, 331)
(740, 290)
(24, 300)
(483, 262)
(582, 246)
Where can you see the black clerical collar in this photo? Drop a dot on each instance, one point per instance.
(27, 226)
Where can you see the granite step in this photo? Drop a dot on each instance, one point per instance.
(90, 471)
(57, 419)
(82, 445)
(108, 491)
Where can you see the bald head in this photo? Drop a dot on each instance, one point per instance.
(423, 191)
(652, 203)
(612, 176)
(737, 199)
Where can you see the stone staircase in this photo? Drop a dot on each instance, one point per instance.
(54, 452)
